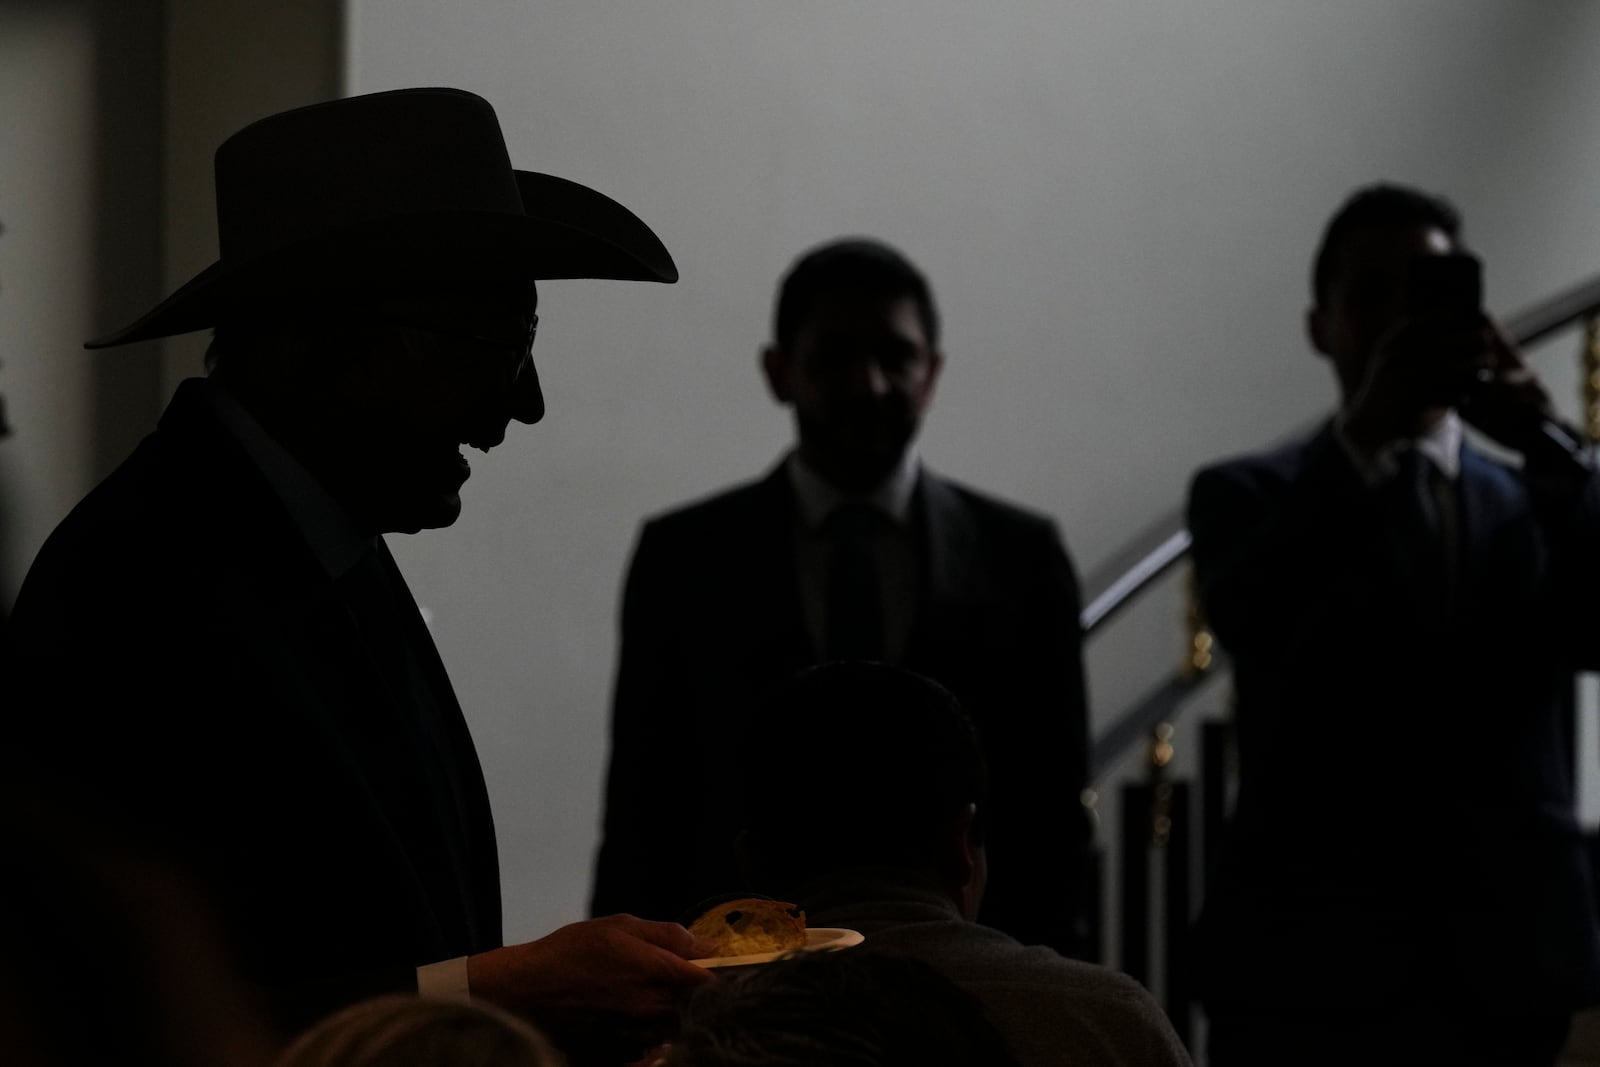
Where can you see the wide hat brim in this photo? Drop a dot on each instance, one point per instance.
(386, 227)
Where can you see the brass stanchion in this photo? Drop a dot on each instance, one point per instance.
(1198, 662)
(1161, 753)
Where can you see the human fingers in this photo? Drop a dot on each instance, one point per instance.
(673, 937)
(646, 959)
(1507, 356)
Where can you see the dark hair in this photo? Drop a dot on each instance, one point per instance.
(858, 266)
(406, 1030)
(1383, 205)
(883, 758)
(848, 1008)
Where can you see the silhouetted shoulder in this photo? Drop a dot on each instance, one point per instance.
(118, 548)
(729, 509)
(769, 498)
(1497, 472)
(1051, 1008)
(1265, 469)
(995, 510)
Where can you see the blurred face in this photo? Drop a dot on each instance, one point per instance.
(859, 374)
(1367, 296)
(435, 379)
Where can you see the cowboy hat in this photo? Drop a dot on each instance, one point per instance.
(388, 192)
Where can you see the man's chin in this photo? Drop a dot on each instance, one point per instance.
(433, 514)
(432, 498)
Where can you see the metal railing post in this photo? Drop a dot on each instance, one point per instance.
(1590, 358)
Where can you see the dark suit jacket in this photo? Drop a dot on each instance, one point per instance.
(1050, 1009)
(177, 652)
(1404, 816)
(712, 617)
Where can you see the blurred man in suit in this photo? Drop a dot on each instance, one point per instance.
(216, 643)
(1402, 880)
(848, 548)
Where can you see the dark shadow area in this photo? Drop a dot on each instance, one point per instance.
(108, 954)
(127, 224)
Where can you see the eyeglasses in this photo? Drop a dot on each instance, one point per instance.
(523, 346)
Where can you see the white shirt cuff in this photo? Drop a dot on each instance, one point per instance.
(446, 980)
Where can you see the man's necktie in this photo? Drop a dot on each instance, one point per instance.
(855, 589)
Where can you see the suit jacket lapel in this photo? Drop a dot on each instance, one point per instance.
(1474, 504)
(455, 780)
(774, 583)
(1487, 496)
(308, 622)
(949, 586)
(453, 722)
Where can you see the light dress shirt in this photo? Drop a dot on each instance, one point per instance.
(895, 548)
(1441, 444)
(337, 544)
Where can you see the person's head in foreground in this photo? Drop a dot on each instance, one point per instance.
(846, 1008)
(400, 1030)
(902, 792)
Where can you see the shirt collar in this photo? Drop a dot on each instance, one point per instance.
(322, 520)
(1442, 444)
(817, 497)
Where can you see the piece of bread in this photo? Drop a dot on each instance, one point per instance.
(751, 925)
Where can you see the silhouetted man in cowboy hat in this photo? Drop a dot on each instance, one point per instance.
(216, 644)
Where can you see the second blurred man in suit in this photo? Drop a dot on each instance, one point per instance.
(1402, 880)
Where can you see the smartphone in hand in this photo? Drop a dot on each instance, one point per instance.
(1446, 292)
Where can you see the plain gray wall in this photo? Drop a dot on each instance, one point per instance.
(1116, 203)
